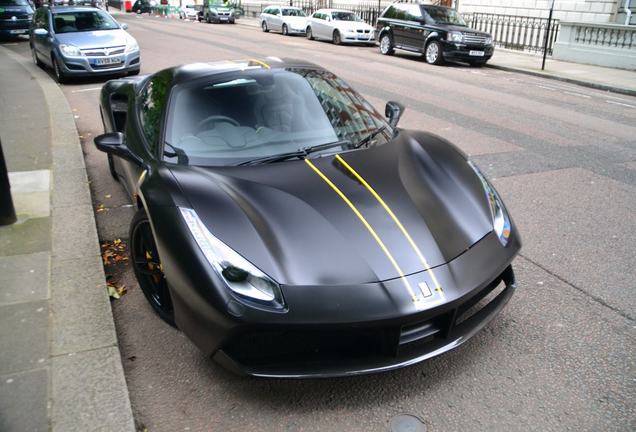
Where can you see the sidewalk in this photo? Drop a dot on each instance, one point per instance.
(60, 367)
(602, 78)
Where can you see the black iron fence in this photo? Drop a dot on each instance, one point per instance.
(368, 11)
(515, 32)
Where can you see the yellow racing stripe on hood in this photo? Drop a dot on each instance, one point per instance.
(368, 226)
(386, 207)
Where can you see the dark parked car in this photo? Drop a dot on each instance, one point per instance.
(141, 6)
(291, 230)
(216, 11)
(437, 32)
(15, 17)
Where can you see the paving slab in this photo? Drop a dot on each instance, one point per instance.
(89, 389)
(24, 278)
(23, 402)
(24, 336)
(568, 219)
(79, 305)
(25, 237)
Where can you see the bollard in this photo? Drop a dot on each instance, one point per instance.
(7, 211)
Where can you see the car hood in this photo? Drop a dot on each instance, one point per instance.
(288, 221)
(352, 25)
(94, 39)
(462, 29)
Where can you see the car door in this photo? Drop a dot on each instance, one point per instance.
(316, 24)
(265, 16)
(400, 25)
(276, 19)
(414, 32)
(328, 26)
(46, 42)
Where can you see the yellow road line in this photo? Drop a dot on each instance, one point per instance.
(408, 237)
(369, 228)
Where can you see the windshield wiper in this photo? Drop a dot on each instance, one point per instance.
(300, 153)
(367, 139)
(182, 158)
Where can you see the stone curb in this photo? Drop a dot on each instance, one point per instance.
(87, 389)
(589, 84)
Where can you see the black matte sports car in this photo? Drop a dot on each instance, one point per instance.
(290, 230)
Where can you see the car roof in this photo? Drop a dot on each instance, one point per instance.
(193, 71)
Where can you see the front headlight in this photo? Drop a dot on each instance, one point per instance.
(131, 45)
(70, 50)
(500, 218)
(213, 11)
(455, 36)
(238, 274)
(488, 41)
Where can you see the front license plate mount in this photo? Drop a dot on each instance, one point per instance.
(476, 53)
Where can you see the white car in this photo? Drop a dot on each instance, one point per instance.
(339, 26)
(285, 19)
(188, 12)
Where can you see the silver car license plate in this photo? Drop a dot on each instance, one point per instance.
(476, 53)
(107, 61)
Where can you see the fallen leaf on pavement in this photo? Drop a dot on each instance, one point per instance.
(115, 291)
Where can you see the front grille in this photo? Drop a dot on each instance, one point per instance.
(476, 39)
(103, 52)
(303, 345)
(110, 66)
(363, 31)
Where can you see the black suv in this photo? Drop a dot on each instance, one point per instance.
(437, 32)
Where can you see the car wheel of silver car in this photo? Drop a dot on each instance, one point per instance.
(308, 33)
(285, 30)
(433, 53)
(59, 75)
(386, 44)
(336, 38)
(264, 26)
(36, 60)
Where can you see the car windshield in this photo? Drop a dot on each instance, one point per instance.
(443, 15)
(258, 113)
(344, 16)
(14, 3)
(84, 21)
(294, 12)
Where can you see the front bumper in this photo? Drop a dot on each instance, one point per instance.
(358, 37)
(468, 53)
(87, 65)
(14, 27)
(330, 331)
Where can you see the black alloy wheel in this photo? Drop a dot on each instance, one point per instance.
(285, 30)
(59, 75)
(148, 268)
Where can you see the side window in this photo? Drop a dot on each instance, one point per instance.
(390, 12)
(276, 11)
(152, 101)
(400, 11)
(414, 13)
(41, 19)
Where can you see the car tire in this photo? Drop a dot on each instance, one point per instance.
(111, 167)
(59, 75)
(386, 44)
(336, 38)
(36, 60)
(433, 53)
(285, 30)
(143, 255)
(264, 26)
(309, 34)
(207, 19)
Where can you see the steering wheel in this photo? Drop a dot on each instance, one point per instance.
(217, 119)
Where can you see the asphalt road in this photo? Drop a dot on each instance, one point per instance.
(561, 356)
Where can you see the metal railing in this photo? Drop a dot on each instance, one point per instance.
(605, 35)
(515, 32)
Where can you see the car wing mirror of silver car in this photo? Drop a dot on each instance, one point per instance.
(124, 26)
(393, 111)
(40, 32)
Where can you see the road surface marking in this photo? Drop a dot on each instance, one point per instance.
(620, 103)
(578, 94)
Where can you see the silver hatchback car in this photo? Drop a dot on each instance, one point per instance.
(82, 41)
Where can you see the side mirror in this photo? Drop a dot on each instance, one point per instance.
(124, 26)
(115, 143)
(393, 111)
(40, 32)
